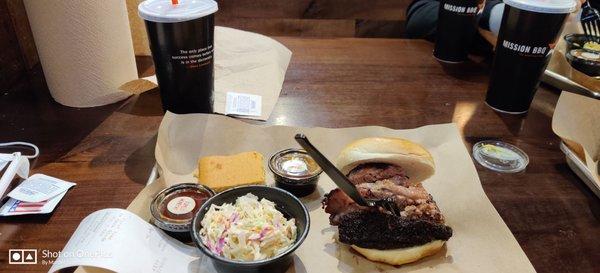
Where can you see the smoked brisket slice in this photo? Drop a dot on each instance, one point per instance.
(379, 230)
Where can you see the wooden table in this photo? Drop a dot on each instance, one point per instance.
(108, 151)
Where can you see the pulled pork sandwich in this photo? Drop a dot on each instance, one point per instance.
(391, 169)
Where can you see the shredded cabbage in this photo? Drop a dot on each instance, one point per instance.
(249, 230)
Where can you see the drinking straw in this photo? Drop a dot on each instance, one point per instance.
(174, 2)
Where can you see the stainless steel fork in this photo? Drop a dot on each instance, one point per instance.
(590, 21)
(388, 204)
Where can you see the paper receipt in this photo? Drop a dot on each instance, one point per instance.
(243, 104)
(118, 240)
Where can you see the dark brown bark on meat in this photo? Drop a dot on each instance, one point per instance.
(378, 230)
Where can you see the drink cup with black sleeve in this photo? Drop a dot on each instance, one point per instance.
(181, 38)
(455, 30)
(528, 34)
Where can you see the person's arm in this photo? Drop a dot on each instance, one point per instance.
(490, 19)
(421, 19)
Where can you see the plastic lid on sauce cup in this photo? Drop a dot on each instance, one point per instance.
(294, 164)
(544, 6)
(174, 208)
(163, 11)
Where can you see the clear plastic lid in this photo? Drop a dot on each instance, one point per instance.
(500, 156)
(163, 11)
(544, 6)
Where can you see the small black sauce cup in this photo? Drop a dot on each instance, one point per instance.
(295, 171)
(176, 228)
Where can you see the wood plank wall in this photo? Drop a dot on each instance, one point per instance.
(17, 48)
(320, 18)
(306, 18)
(11, 63)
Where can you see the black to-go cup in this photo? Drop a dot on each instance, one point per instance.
(455, 30)
(528, 33)
(181, 38)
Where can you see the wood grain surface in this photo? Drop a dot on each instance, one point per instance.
(108, 151)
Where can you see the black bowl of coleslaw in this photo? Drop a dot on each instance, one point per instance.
(286, 203)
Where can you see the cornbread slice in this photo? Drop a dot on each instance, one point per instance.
(224, 172)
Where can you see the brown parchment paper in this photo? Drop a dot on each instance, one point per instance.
(559, 64)
(577, 121)
(481, 241)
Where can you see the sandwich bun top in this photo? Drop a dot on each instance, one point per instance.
(412, 157)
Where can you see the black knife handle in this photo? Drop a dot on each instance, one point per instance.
(336, 175)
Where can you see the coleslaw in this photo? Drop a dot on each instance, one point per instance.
(249, 230)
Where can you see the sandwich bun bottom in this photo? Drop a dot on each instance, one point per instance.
(401, 256)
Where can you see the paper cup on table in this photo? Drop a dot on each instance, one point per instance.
(85, 49)
(181, 38)
(528, 33)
